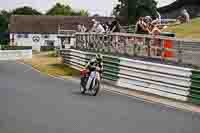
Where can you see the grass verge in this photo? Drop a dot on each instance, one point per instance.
(47, 63)
(189, 30)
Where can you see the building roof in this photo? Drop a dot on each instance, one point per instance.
(50, 24)
(178, 4)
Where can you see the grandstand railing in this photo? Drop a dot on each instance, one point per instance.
(154, 48)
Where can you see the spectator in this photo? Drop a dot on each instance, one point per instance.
(97, 27)
(154, 29)
(115, 26)
(185, 17)
(141, 27)
(79, 28)
(105, 26)
(109, 25)
(83, 28)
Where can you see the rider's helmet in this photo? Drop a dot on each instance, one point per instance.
(99, 57)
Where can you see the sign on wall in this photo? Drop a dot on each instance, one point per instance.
(36, 38)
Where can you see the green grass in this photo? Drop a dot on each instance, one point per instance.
(47, 63)
(190, 30)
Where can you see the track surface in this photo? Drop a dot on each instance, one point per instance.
(31, 102)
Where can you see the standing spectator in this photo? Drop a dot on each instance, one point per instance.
(141, 27)
(97, 27)
(154, 30)
(79, 28)
(105, 26)
(83, 28)
(115, 26)
(185, 17)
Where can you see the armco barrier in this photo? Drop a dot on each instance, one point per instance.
(15, 54)
(195, 87)
(164, 80)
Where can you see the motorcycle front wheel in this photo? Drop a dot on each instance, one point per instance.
(96, 88)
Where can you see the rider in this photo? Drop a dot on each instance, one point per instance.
(92, 65)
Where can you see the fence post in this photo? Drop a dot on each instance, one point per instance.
(162, 50)
(180, 52)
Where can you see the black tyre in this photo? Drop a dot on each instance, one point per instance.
(96, 88)
(82, 85)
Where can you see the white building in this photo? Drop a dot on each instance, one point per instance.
(37, 31)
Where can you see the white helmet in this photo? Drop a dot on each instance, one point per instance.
(99, 57)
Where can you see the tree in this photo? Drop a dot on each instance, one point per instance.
(131, 10)
(3, 23)
(83, 13)
(5, 14)
(65, 10)
(59, 9)
(79, 13)
(25, 11)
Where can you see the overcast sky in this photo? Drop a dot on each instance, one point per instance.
(102, 7)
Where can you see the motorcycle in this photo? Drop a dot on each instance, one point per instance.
(95, 84)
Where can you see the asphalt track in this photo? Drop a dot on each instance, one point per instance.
(31, 102)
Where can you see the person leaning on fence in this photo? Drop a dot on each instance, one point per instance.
(79, 28)
(141, 27)
(184, 17)
(115, 26)
(154, 29)
(97, 27)
(83, 28)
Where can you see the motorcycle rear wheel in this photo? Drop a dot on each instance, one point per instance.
(82, 85)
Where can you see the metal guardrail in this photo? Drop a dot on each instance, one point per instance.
(163, 80)
(155, 48)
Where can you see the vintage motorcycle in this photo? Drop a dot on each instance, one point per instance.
(95, 84)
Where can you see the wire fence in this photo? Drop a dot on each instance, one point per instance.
(153, 48)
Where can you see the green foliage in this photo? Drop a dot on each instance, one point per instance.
(80, 13)
(133, 9)
(59, 9)
(3, 24)
(187, 30)
(47, 48)
(25, 11)
(63, 10)
(4, 38)
(7, 47)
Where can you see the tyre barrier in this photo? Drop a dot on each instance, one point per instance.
(168, 81)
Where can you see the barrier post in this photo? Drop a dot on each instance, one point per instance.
(180, 52)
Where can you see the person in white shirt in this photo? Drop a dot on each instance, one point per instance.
(79, 29)
(186, 15)
(97, 27)
(83, 28)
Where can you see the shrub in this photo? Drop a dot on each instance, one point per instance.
(7, 47)
(47, 48)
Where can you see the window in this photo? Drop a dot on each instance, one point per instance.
(50, 43)
(25, 35)
(22, 35)
(67, 40)
(19, 35)
(45, 36)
